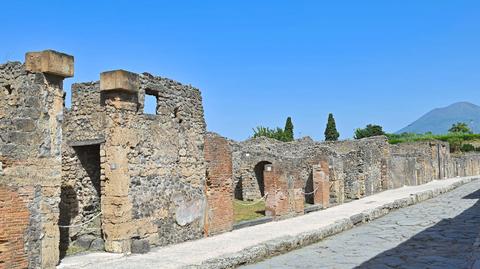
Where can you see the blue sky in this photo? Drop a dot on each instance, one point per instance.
(257, 62)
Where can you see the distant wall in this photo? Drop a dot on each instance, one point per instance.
(357, 168)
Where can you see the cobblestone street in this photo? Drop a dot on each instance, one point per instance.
(439, 233)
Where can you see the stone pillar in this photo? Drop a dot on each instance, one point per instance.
(277, 201)
(55, 67)
(218, 157)
(321, 184)
(270, 189)
(119, 91)
(384, 179)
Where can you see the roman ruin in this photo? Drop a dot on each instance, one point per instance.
(102, 175)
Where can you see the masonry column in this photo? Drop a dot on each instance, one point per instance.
(276, 186)
(218, 157)
(46, 165)
(270, 189)
(321, 184)
(119, 91)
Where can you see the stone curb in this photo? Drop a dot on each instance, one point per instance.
(285, 244)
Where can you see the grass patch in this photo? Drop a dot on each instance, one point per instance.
(243, 210)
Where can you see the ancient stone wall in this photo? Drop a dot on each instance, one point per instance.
(31, 115)
(250, 157)
(361, 164)
(464, 165)
(418, 163)
(151, 168)
(357, 168)
(104, 175)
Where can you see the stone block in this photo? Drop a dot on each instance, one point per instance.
(98, 245)
(140, 246)
(85, 241)
(50, 62)
(119, 80)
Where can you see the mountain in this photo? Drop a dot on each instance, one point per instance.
(439, 120)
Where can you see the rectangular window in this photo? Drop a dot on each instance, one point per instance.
(150, 104)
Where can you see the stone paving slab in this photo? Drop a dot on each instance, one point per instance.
(258, 242)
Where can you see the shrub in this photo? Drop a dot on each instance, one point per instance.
(467, 148)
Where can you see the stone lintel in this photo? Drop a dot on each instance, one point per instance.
(50, 62)
(89, 142)
(119, 80)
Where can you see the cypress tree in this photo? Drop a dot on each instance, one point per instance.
(331, 133)
(288, 130)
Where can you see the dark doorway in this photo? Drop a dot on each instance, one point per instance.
(80, 197)
(309, 190)
(238, 194)
(259, 176)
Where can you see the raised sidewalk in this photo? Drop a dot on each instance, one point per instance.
(251, 244)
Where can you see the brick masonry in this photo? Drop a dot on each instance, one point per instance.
(321, 184)
(15, 217)
(218, 157)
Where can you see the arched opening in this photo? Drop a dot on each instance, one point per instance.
(249, 202)
(259, 167)
(309, 190)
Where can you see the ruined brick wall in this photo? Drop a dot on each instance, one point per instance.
(31, 114)
(249, 158)
(13, 226)
(356, 168)
(218, 157)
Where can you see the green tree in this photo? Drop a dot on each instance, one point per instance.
(368, 131)
(288, 130)
(460, 127)
(331, 133)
